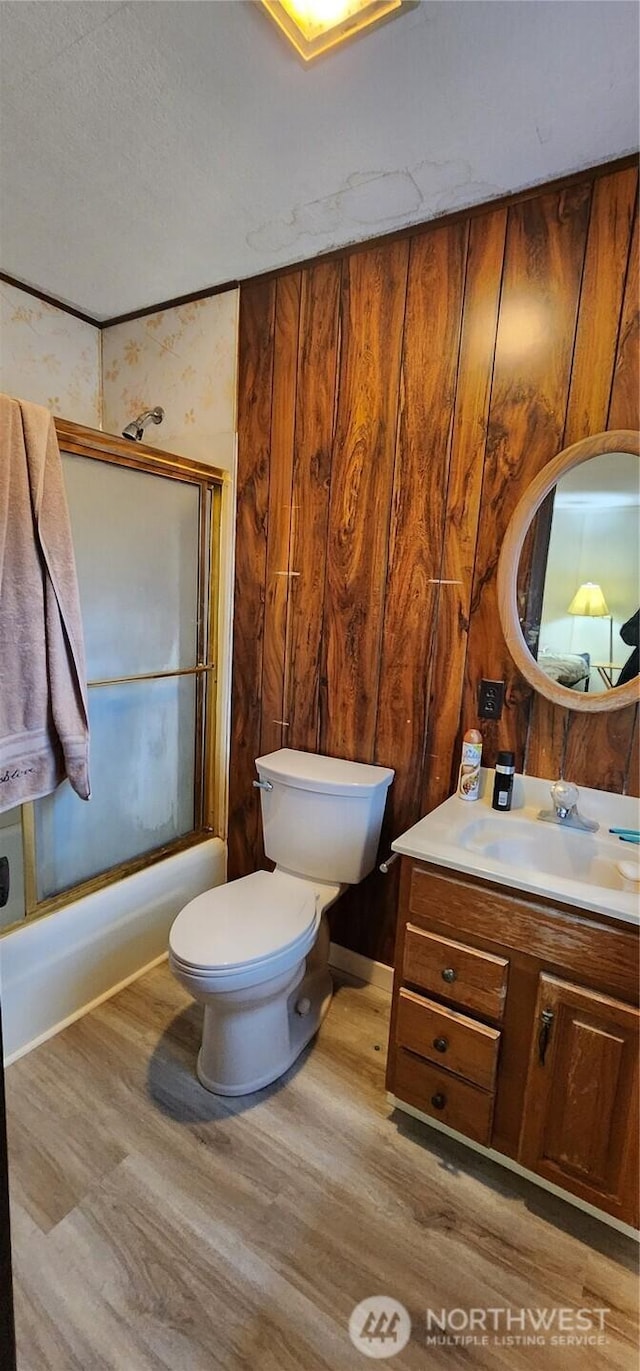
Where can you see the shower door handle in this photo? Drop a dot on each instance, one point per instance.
(5, 881)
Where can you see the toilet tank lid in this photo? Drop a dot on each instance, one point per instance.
(331, 775)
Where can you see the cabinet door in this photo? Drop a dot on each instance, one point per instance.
(579, 1125)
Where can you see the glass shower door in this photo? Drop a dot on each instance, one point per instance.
(137, 539)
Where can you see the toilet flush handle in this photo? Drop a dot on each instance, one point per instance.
(263, 785)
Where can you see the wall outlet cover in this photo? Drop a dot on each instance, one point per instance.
(490, 699)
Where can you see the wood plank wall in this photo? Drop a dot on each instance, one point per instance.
(394, 402)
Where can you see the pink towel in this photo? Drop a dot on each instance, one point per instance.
(44, 724)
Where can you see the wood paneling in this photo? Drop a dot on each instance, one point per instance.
(597, 750)
(374, 288)
(475, 369)
(544, 255)
(416, 535)
(416, 538)
(399, 398)
(625, 394)
(255, 380)
(315, 416)
(273, 733)
(601, 297)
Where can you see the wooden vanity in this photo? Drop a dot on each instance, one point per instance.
(515, 1024)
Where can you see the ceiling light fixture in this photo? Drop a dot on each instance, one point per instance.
(314, 26)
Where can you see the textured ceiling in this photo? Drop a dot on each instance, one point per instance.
(152, 149)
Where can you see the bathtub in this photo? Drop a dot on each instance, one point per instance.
(54, 969)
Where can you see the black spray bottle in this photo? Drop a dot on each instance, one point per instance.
(503, 784)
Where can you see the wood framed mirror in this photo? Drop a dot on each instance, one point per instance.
(569, 576)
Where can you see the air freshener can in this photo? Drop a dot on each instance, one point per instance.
(469, 778)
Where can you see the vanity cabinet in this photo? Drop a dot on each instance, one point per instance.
(515, 1024)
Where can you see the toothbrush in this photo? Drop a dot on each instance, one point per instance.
(629, 837)
(626, 832)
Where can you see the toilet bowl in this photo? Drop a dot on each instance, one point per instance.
(255, 952)
(242, 950)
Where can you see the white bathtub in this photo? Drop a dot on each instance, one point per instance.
(56, 968)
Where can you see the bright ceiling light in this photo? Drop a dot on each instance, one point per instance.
(313, 26)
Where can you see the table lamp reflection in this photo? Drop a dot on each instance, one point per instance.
(589, 601)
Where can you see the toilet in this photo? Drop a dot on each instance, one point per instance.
(255, 952)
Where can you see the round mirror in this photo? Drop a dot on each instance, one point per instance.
(569, 576)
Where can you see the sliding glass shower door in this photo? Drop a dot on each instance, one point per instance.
(145, 544)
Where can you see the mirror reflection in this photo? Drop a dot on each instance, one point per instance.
(579, 576)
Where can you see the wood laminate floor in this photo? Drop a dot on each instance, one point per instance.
(156, 1226)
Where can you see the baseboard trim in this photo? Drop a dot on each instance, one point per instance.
(342, 958)
(84, 1009)
(362, 968)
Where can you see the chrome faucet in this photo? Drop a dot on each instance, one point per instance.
(565, 808)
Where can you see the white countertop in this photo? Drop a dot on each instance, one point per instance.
(521, 852)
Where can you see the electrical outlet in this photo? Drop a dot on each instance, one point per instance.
(491, 699)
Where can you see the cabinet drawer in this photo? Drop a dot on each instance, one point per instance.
(464, 975)
(598, 952)
(461, 1106)
(448, 1039)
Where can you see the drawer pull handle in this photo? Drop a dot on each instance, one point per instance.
(438, 1100)
(449, 975)
(441, 1044)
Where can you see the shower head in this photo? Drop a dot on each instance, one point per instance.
(135, 430)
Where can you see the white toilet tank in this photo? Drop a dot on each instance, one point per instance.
(322, 817)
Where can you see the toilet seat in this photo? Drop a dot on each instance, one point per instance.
(253, 920)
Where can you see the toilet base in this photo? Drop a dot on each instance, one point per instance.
(250, 1039)
(302, 1030)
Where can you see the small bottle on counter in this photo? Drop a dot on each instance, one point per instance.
(469, 778)
(503, 783)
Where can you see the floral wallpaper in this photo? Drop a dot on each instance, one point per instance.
(49, 356)
(183, 359)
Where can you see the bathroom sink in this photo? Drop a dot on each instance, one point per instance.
(519, 850)
(529, 844)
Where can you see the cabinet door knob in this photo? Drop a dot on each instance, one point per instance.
(438, 1100)
(441, 1044)
(449, 975)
